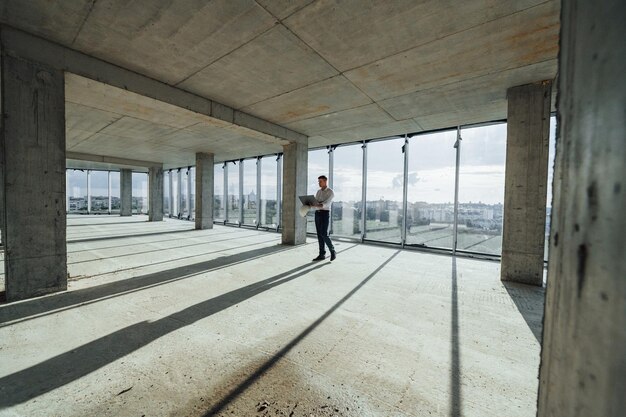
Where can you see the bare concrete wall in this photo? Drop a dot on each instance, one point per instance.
(295, 169)
(33, 178)
(528, 130)
(583, 361)
(204, 190)
(155, 182)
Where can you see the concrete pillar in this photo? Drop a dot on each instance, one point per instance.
(295, 166)
(155, 194)
(526, 177)
(583, 361)
(126, 192)
(204, 190)
(32, 178)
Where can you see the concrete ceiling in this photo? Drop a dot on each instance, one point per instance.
(337, 71)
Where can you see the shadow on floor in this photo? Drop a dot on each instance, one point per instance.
(148, 242)
(170, 248)
(239, 389)
(98, 224)
(530, 301)
(67, 367)
(94, 239)
(63, 301)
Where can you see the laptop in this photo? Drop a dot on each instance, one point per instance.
(307, 200)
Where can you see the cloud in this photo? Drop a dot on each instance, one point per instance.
(412, 179)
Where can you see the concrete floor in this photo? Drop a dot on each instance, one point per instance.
(163, 320)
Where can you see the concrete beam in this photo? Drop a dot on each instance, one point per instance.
(155, 194)
(33, 178)
(583, 365)
(295, 169)
(126, 192)
(126, 163)
(528, 130)
(204, 190)
(23, 44)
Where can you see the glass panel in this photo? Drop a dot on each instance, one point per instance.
(347, 185)
(430, 194)
(551, 154)
(385, 178)
(115, 192)
(481, 189)
(233, 192)
(140, 193)
(166, 193)
(184, 177)
(280, 191)
(192, 198)
(249, 191)
(99, 191)
(218, 192)
(318, 165)
(175, 194)
(77, 191)
(269, 215)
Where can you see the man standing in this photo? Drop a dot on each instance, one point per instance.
(324, 197)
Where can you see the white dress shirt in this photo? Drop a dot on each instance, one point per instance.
(325, 197)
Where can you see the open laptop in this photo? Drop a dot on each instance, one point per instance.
(307, 200)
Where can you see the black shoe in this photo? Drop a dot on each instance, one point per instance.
(333, 256)
(319, 258)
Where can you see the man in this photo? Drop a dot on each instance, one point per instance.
(324, 197)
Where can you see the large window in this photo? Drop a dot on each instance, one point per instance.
(99, 186)
(430, 193)
(269, 181)
(175, 195)
(218, 192)
(184, 194)
(481, 189)
(140, 193)
(551, 155)
(76, 191)
(318, 165)
(166, 193)
(249, 191)
(234, 205)
(115, 192)
(385, 179)
(347, 185)
(192, 193)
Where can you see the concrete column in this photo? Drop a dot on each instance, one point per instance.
(295, 167)
(526, 178)
(32, 178)
(583, 365)
(126, 192)
(155, 194)
(204, 190)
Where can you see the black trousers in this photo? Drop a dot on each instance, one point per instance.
(322, 217)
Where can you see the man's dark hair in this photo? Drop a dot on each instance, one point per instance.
(322, 177)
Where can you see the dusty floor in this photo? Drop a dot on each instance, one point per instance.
(163, 320)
